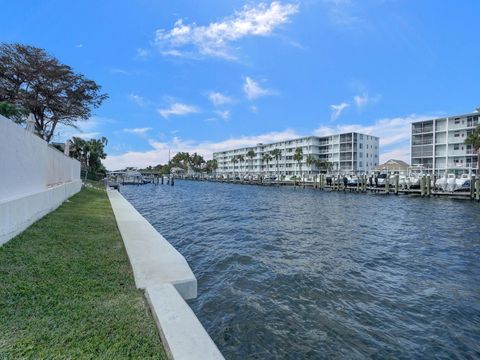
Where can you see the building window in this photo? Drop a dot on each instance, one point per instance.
(456, 147)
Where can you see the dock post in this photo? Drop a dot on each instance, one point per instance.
(395, 181)
(477, 190)
(387, 184)
(162, 180)
(472, 187)
(429, 184)
(172, 181)
(422, 186)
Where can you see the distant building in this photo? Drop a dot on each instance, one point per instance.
(439, 144)
(348, 153)
(393, 166)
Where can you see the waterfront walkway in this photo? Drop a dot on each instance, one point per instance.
(67, 289)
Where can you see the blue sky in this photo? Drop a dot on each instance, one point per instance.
(208, 75)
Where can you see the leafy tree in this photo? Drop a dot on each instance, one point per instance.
(473, 139)
(196, 161)
(41, 84)
(181, 160)
(13, 112)
(211, 166)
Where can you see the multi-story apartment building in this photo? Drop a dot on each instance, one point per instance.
(347, 153)
(439, 144)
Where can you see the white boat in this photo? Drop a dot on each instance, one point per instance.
(413, 181)
(352, 180)
(381, 179)
(447, 183)
(463, 183)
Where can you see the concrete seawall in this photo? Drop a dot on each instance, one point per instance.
(167, 279)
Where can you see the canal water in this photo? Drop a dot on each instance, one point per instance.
(288, 273)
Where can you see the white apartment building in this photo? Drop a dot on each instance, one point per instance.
(347, 153)
(439, 144)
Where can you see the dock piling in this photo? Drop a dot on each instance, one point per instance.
(477, 190)
(395, 181)
(429, 184)
(472, 187)
(422, 186)
(387, 184)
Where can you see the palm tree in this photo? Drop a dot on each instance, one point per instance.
(251, 154)
(328, 166)
(298, 157)
(267, 158)
(311, 160)
(241, 159)
(276, 153)
(234, 160)
(77, 146)
(473, 139)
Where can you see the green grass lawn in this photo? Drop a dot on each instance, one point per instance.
(67, 289)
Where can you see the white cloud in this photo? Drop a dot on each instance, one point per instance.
(224, 114)
(219, 99)
(400, 153)
(91, 128)
(79, 46)
(337, 110)
(215, 38)
(119, 71)
(363, 100)
(138, 131)
(253, 90)
(178, 109)
(137, 99)
(342, 13)
(142, 53)
(159, 150)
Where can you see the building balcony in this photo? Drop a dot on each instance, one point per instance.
(423, 130)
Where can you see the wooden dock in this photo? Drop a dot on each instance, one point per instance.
(426, 189)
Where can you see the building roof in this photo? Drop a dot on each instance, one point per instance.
(474, 113)
(293, 139)
(393, 165)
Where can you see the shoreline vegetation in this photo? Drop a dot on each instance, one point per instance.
(67, 289)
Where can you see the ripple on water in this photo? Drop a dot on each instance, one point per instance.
(303, 274)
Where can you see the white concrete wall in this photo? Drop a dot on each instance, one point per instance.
(167, 279)
(35, 178)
